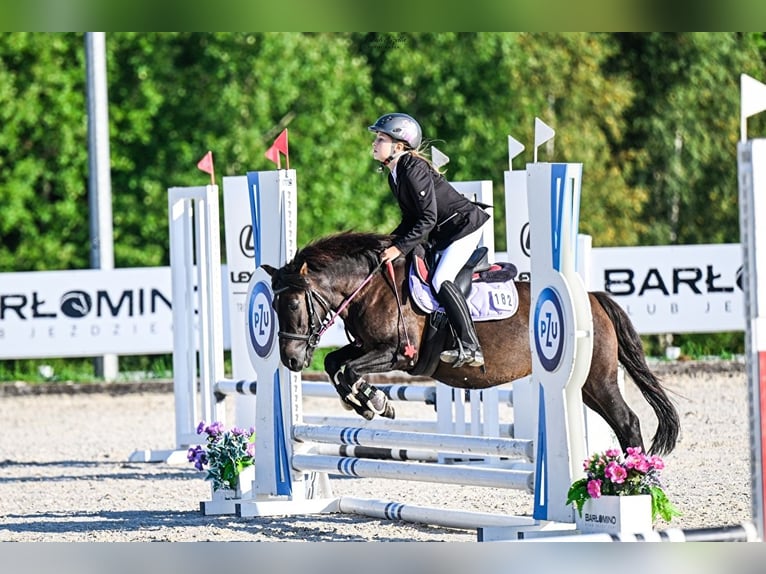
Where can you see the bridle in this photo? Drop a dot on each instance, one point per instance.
(317, 326)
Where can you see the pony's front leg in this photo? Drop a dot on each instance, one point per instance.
(334, 363)
(364, 398)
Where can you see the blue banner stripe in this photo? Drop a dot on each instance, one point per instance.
(253, 186)
(541, 468)
(281, 461)
(558, 187)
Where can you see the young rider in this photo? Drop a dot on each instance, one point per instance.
(432, 211)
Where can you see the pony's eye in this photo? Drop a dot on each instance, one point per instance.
(293, 305)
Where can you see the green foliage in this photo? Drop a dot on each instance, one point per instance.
(653, 118)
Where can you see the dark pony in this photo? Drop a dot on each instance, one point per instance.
(341, 274)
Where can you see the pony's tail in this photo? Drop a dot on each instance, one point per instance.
(631, 355)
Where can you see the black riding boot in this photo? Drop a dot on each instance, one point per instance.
(468, 351)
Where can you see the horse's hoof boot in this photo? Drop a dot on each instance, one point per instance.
(374, 399)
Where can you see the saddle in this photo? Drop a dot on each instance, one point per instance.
(489, 290)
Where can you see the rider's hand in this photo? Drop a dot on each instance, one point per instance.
(389, 254)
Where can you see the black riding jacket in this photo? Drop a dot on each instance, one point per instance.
(432, 210)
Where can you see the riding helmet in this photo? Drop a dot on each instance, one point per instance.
(401, 127)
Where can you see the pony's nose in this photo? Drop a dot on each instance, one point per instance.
(294, 364)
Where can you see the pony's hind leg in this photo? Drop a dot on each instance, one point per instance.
(601, 393)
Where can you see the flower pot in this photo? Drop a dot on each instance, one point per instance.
(616, 514)
(245, 483)
(223, 494)
(244, 487)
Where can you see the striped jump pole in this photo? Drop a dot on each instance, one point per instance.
(375, 452)
(511, 448)
(411, 425)
(448, 518)
(479, 476)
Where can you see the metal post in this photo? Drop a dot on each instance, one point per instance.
(99, 179)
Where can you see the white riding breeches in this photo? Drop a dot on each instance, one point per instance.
(452, 259)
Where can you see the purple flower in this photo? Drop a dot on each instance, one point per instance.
(214, 429)
(251, 449)
(198, 456)
(594, 488)
(615, 472)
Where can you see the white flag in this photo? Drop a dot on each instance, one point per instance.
(438, 158)
(753, 94)
(515, 147)
(543, 132)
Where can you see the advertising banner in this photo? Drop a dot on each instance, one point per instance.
(674, 288)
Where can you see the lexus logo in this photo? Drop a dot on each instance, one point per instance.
(246, 243)
(524, 239)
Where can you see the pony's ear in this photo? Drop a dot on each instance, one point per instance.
(269, 269)
(304, 269)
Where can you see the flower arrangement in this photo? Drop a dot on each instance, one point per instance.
(610, 473)
(226, 453)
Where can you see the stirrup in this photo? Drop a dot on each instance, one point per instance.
(461, 358)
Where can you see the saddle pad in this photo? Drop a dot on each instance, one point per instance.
(487, 301)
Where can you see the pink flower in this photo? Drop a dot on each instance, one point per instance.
(594, 488)
(613, 452)
(638, 461)
(615, 473)
(656, 462)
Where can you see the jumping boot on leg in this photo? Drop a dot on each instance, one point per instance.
(468, 351)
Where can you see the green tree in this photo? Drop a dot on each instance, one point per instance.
(43, 152)
(683, 130)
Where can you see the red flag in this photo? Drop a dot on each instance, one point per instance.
(206, 165)
(279, 145)
(281, 142)
(273, 154)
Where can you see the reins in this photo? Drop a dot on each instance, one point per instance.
(347, 301)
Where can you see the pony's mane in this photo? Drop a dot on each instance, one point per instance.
(348, 246)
